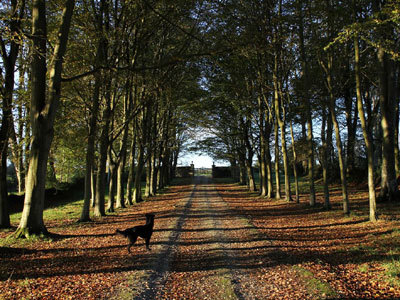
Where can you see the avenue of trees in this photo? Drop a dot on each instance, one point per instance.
(107, 90)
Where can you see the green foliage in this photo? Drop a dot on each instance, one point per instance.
(370, 30)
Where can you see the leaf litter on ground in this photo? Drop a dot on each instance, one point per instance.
(238, 244)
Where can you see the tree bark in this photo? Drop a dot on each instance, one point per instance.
(351, 122)
(137, 189)
(277, 176)
(249, 157)
(332, 105)
(242, 167)
(131, 175)
(296, 179)
(262, 160)
(90, 151)
(389, 188)
(89, 192)
(307, 105)
(17, 139)
(324, 155)
(99, 208)
(280, 118)
(9, 61)
(270, 180)
(112, 175)
(366, 134)
(120, 201)
(42, 114)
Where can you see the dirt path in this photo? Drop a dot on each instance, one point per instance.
(214, 253)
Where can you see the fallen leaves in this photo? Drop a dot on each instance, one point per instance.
(236, 245)
(331, 246)
(87, 261)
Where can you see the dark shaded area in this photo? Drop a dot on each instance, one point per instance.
(68, 192)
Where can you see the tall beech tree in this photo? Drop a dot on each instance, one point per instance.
(386, 90)
(305, 96)
(43, 110)
(9, 48)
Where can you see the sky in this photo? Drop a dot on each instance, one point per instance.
(200, 161)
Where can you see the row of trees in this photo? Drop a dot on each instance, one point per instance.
(125, 81)
(324, 74)
(108, 87)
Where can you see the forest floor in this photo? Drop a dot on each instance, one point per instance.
(212, 241)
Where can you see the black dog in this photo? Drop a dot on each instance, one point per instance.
(144, 231)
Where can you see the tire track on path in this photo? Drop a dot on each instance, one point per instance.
(161, 267)
(219, 223)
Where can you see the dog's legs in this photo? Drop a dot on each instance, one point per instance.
(148, 243)
(132, 240)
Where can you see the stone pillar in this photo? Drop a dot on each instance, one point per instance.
(192, 169)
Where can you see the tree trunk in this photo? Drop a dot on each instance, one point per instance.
(99, 208)
(332, 105)
(8, 60)
(42, 114)
(288, 193)
(93, 179)
(16, 140)
(130, 181)
(112, 174)
(4, 134)
(270, 180)
(389, 188)
(17, 150)
(324, 156)
(296, 179)
(351, 123)
(307, 105)
(120, 201)
(4, 210)
(153, 173)
(242, 168)
(262, 159)
(397, 117)
(90, 152)
(250, 174)
(277, 177)
(249, 157)
(366, 134)
(137, 189)
(89, 192)
(280, 120)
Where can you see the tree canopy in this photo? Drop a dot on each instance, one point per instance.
(111, 91)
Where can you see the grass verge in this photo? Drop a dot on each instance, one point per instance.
(315, 286)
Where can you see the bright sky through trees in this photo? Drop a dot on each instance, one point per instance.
(200, 161)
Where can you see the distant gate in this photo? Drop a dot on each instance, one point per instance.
(184, 171)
